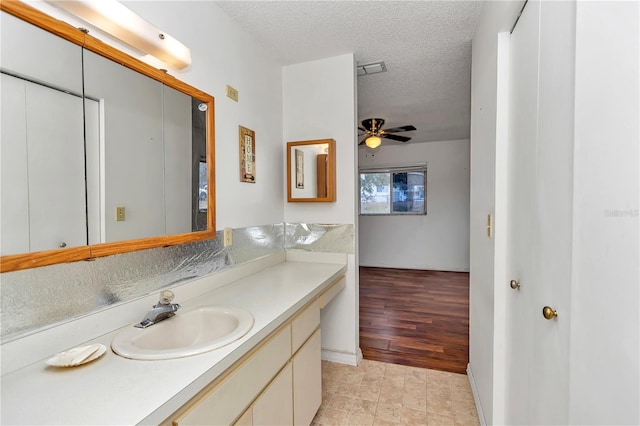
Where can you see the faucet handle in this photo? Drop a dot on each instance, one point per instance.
(166, 296)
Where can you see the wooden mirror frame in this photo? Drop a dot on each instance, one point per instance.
(72, 254)
(331, 172)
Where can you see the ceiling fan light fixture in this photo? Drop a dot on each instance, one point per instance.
(373, 142)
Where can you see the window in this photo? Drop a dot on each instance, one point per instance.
(393, 191)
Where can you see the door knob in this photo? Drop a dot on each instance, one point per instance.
(63, 244)
(549, 313)
(515, 284)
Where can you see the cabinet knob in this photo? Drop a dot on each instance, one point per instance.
(549, 313)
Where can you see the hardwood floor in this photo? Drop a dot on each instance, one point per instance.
(416, 318)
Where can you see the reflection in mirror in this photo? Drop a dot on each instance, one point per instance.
(42, 148)
(311, 171)
(93, 151)
(199, 175)
(151, 152)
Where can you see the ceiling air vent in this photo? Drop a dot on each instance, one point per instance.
(372, 68)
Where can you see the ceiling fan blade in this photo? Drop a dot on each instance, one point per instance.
(395, 137)
(362, 130)
(400, 129)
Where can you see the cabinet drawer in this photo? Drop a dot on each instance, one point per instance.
(304, 324)
(331, 292)
(228, 399)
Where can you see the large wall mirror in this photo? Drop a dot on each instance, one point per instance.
(100, 153)
(311, 171)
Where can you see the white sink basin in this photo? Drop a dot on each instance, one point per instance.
(187, 333)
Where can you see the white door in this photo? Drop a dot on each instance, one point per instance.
(521, 235)
(554, 213)
(539, 213)
(14, 193)
(43, 184)
(55, 141)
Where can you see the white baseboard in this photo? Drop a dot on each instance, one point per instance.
(476, 397)
(342, 357)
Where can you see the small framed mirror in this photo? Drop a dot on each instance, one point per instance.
(311, 171)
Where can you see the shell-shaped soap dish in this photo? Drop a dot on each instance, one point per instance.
(77, 356)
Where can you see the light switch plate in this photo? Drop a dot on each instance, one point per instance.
(232, 93)
(120, 214)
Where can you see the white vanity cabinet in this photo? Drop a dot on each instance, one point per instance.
(295, 394)
(278, 383)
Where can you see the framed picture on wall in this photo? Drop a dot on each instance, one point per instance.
(299, 169)
(247, 155)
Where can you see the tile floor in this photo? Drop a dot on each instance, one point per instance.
(380, 394)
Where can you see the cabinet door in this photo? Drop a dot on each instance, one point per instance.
(246, 419)
(307, 381)
(275, 405)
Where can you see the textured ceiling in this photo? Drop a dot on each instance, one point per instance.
(426, 46)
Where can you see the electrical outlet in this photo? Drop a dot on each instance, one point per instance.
(119, 214)
(232, 93)
(227, 237)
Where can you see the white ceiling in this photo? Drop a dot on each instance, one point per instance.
(426, 46)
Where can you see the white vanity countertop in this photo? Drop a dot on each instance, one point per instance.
(117, 391)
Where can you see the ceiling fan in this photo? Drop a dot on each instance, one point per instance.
(372, 128)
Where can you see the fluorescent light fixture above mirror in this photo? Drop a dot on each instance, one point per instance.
(120, 22)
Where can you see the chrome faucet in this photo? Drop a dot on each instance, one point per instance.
(161, 311)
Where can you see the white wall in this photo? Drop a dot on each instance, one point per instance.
(438, 241)
(495, 17)
(319, 102)
(605, 325)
